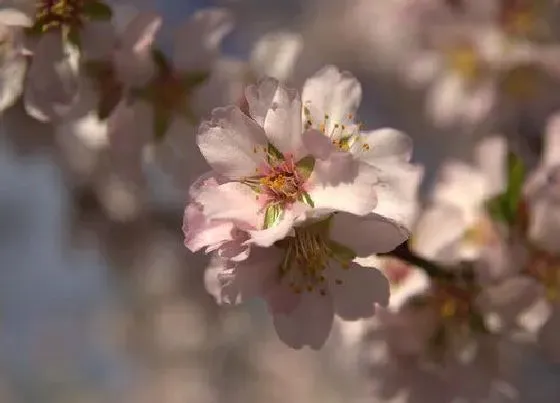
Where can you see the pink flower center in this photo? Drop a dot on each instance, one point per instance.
(281, 184)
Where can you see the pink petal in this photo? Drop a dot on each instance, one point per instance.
(232, 143)
(344, 184)
(231, 201)
(367, 235)
(197, 41)
(278, 110)
(200, 232)
(360, 290)
(309, 324)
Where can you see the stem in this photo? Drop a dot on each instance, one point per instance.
(432, 269)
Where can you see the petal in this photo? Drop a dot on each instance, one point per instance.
(309, 324)
(267, 237)
(197, 41)
(552, 141)
(397, 191)
(344, 184)
(275, 54)
(360, 289)
(232, 143)
(52, 79)
(548, 336)
(385, 145)
(278, 110)
(367, 235)
(490, 155)
(200, 232)
(544, 228)
(97, 40)
(445, 100)
(332, 92)
(231, 201)
(12, 73)
(251, 277)
(438, 233)
(133, 58)
(15, 17)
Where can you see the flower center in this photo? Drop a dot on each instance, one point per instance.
(281, 184)
(307, 256)
(345, 135)
(481, 233)
(464, 60)
(52, 14)
(520, 17)
(545, 269)
(453, 301)
(396, 271)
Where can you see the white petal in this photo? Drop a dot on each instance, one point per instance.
(490, 154)
(423, 68)
(52, 79)
(251, 277)
(367, 235)
(232, 143)
(385, 145)
(275, 54)
(15, 17)
(231, 201)
(552, 141)
(361, 289)
(200, 232)
(332, 92)
(309, 324)
(278, 110)
(12, 73)
(267, 237)
(544, 227)
(344, 184)
(438, 233)
(445, 100)
(197, 41)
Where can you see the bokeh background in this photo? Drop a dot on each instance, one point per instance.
(93, 310)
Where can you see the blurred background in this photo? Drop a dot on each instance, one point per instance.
(96, 309)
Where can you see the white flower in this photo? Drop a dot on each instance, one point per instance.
(309, 276)
(331, 100)
(455, 225)
(12, 63)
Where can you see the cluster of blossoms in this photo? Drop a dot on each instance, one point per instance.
(298, 191)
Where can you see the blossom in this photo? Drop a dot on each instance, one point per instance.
(12, 63)
(276, 168)
(331, 100)
(59, 33)
(455, 226)
(310, 275)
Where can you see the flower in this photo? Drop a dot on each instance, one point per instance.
(12, 63)
(455, 226)
(309, 276)
(331, 100)
(276, 168)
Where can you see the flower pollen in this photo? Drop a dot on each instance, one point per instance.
(55, 14)
(545, 269)
(345, 135)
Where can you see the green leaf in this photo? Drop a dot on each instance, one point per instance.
(272, 215)
(97, 10)
(305, 166)
(273, 155)
(306, 198)
(505, 207)
(342, 253)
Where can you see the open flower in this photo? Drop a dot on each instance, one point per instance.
(276, 168)
(310, 275)
(331, 100)
(455, 226)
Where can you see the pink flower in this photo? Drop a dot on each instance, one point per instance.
(310, 275)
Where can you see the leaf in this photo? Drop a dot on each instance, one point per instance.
(97, 10)
(306, 198)
(271, 215)
(505, 207)
(342, 253)
(273, 155)
(305, 166)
